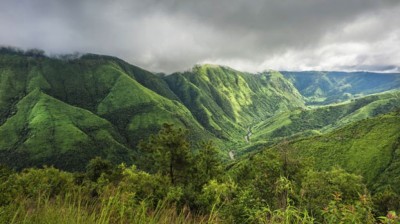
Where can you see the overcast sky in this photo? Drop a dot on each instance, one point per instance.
(249, 35)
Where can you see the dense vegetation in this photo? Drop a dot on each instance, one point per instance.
(305, 122)
(226, 101)
(93, 139)
(370, 147)
(176, 184)
(64, 111)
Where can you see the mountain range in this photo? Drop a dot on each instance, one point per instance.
(64, 111)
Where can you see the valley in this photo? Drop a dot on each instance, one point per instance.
(199, 112)
(120, 104)
(97, 123)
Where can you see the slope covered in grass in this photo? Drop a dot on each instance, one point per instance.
(226, 101)
(47, 131)
(64, 112)
(100, 105)
(370, 147)
(326, 118)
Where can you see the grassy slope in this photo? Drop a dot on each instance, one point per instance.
(327, 118)
(99, 89)
(219, 102)
(370, 147)
(47, 131)
(137, 110)
(226, 101)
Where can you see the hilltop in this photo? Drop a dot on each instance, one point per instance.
(66, 110)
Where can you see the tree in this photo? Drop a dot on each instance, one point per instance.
(386, 200)
(208, 161)
(319, 186)
(96, 167)
(168, 152)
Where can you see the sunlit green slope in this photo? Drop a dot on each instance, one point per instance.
(301, 122)
(65, 112)
(227, 102)
(370, 147)
(44, 130)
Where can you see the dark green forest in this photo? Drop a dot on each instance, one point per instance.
(93, 139)
(176, 184)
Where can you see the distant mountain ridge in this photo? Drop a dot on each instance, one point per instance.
(321, 88)
(65, 111)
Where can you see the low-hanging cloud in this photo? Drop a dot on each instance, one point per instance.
(173, 35)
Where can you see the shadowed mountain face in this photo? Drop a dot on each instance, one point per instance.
(64, 112)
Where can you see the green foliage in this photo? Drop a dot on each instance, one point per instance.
(96, 167)
(52, 196)
(45, 182)
(368, 147)
(386, 200)
(316, 186)
(208, 162)
(289, 215)
(55, 109)
(318, 120)
(339, 212)
(89, 112)
(275, 189)
(391, 217)
(65, 112)
(226, 101)
(169, 153)
(7, 193)
(215, 195)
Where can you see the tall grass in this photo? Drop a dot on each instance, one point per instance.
(74, 208)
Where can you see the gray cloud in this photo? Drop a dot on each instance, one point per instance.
(252, 35)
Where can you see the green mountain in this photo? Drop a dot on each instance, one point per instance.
(330, 87)
(44, 130)
(303, 122)
(370, 147)
(226, 102)
(65, 112)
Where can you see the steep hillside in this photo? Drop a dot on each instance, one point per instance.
(46, 104)
(227, 102)
(44, 130)
(370, 147)
(331, 87)
(64, 111)
(304, 122)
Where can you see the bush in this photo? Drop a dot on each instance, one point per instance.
(48, 182)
